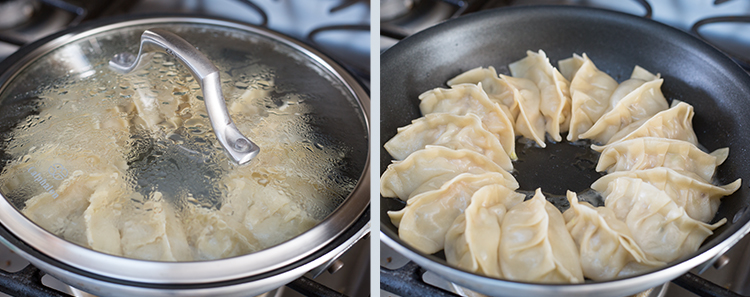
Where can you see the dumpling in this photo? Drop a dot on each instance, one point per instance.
(263, 220)
(530, 122)
(606, 246)
(554, 89)
(150, 231)
(488, 178)
(673, 123)
(154, 110)
(469, 98)
(638, 77)
(535, 245)
(61, 212)
(247, 103)
(215, 236)
(426, 218)
(432, 164)
(642, 103)
(590, 89)
(102, 216)
(472, 241)
(455, 132)
(643, 74)
(262, 208)
(661, 228)
(568, 67)
(497, 89)
(651, 152)
(699, 198)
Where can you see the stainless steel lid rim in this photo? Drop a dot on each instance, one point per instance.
(313, 260)
(188, 272)
(244, 287)
(150, 272)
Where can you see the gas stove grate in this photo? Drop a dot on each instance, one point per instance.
(407, 281)
(26, 282)
(695, 29)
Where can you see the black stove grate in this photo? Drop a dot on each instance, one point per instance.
(26, 282)
(407, 281)
(695, 29)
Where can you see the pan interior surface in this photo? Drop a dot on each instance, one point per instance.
(693, 72)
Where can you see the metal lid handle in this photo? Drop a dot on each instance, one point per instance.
(239, 147)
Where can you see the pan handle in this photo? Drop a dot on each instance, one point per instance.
(703, 287)
(239, 147)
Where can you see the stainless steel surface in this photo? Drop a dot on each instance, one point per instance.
(351, 280)
(259, 286)
(194, 272)
(335, 266)
(239, 147)
(390, 9)
(16, 12)
(615, 288)
(391, 259)
(735, 275)
(722, 261)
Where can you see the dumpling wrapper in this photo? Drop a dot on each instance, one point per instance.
(530, 121)
(568, 67)
(644, 102)
(216, 236)
(700, 199)
(638, 77)
(246, 104)
(473, 240)
(427, 217)
(151, 231)
(553, 87)
(261, 209)
(652, 152)
(434, 165)
(102, 216)
(451, 131)
(673, 123)
(590, 89)
(497, 89)
(469, 98)
(535, 245)
(63, 215)
(606, 247)
(661, 228)
(155, 111)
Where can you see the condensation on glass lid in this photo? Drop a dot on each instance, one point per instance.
(129, 165)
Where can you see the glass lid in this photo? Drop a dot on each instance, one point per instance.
(129, 164)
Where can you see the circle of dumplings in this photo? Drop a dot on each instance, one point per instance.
(452, 169)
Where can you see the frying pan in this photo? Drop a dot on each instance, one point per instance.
(693, 72)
